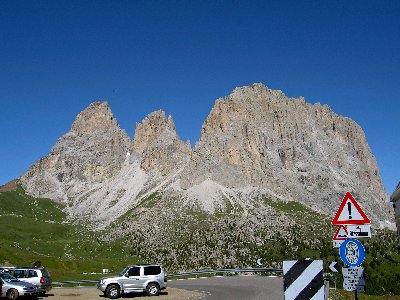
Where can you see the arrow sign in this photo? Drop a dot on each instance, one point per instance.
(332, 267)
(259, 261)
(350, 212)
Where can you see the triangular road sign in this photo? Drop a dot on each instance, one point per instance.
(350, 212)
(341, 234)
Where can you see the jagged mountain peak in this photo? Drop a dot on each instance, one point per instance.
(253, 92)
(158, 144)
(154, 126)
(286, 148)
(91, 152)
(97, 117)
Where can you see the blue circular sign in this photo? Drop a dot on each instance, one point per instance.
(352, 252)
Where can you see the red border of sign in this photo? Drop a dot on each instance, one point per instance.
(336, 238)
(346, 197)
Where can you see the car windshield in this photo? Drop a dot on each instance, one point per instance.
(8, 278)
(122, 273)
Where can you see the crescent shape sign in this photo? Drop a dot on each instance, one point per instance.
(259, 261)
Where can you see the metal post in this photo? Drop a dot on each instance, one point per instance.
(355, 296)
(335, 281)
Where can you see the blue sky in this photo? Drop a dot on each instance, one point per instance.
(56, 57)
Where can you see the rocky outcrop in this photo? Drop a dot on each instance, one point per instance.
(91, 152)
(158, 144)
(153, 162)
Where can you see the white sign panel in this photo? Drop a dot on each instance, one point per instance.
(337, 244)
(353, 279)
(359, 231)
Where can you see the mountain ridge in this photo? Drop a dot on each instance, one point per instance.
(255, 142)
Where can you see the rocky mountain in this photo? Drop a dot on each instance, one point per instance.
(259, 139)
(90, 153)
(256, 144)
(158, 145)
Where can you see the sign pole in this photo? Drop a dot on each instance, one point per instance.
(335, 281)
(355, 296)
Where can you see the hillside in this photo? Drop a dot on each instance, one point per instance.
(37, 229)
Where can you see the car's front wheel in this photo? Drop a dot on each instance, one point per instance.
(113, 291)
(12, 294)
(152, 289)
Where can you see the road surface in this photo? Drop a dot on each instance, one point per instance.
(92, 293)
(234, 287)
(213, 288)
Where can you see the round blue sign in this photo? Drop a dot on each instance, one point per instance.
(352, 252)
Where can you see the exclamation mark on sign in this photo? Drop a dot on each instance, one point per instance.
(349, 209)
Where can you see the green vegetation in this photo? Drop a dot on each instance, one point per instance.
(36, 229)
(341, 295)
(289, 207)
(151, 200)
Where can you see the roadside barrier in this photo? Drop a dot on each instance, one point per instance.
(74, 282)
(186, 274)
(219, 271)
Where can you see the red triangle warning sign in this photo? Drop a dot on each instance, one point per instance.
(341, 234)
(350, 212)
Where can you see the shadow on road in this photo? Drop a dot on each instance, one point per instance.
(77, 294)
(43, 296)
(135, 295)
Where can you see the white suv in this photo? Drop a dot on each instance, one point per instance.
(37, 276)
(149, 278)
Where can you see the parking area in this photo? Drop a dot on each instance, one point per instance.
(89, 293)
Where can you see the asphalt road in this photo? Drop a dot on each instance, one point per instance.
(234, 287)
(92, 293)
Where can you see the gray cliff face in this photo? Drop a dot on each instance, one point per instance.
(288, 149)
(256, 143)
(91, 152)
(158, 145)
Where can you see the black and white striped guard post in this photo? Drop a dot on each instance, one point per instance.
(303, 279)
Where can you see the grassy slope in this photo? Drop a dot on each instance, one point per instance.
(36, 229)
